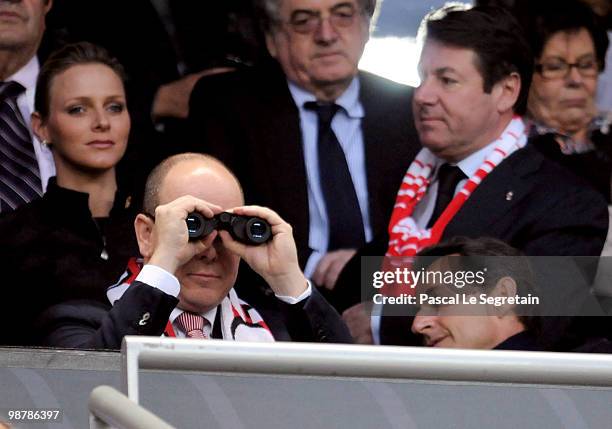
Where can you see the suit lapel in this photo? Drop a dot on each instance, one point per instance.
(278, 134)
(373, 130)
(502, 190)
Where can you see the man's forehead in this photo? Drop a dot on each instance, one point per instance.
(202, 180)
(440, 55)
(293, 5)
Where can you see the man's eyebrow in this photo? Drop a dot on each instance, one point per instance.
(317, 12)
(343, 4)
(304, 11)
(443, 70)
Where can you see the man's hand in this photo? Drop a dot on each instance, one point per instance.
(330, 266)
(172, 99)
(276, 261)
(357, 318)
(171, 245)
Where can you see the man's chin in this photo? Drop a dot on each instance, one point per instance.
(435, 145)
(200, 301)
(333, 77)
(197, 307)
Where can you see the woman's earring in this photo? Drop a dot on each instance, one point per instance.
(46, 144)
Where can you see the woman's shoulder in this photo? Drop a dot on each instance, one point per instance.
(23, 225)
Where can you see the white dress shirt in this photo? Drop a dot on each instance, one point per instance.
(166, 282)
(469, 166)
(346, 125)
(26, 76)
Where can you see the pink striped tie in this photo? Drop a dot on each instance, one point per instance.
(192, 324)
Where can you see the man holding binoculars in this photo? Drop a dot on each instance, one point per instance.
(185, 287)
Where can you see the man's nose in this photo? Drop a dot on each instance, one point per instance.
(325, 33)
(423, 322)
(425, 93)
(210, 250)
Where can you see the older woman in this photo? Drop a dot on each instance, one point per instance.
(570, 47)
(76, 240)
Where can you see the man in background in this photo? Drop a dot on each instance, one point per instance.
(309, 135)
(26, 164)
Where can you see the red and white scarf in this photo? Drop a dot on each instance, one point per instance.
(405, 237)
(239, 321)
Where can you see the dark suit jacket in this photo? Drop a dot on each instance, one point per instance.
(249, 121)
(535, 206)
(89, 324)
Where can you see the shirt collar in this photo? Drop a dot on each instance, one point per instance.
(473, 162)
(470, 165)
(26, 76)
(349, 100)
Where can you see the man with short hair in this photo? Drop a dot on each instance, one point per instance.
(185, 287)
(483, 178)
(26, 164)
(309, 135)
(506, 273)
(477, 175)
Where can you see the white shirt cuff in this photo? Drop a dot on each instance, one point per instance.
(302, 297)
(159, 278)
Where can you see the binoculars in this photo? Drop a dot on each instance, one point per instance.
(246, 229)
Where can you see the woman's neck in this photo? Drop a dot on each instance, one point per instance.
(100, 187)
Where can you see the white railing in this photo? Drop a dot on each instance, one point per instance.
(343, 360)
(109, 408)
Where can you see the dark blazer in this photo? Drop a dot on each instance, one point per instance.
(91, 325)
(536, 206)
(248, 120)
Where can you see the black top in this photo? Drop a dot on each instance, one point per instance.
(52, 250)
(594, 167)
(522, 341)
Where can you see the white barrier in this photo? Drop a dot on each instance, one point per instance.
(356, 361)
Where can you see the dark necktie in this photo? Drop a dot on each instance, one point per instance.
(343, 212)
(19, 175)
(448, 178)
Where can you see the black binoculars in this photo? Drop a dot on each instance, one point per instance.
(246, 229)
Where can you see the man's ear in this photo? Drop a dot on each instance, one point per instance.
(509, 90)
(505, 287)
(271, 44)
(48, 6)
(40, 128)
(143, 226)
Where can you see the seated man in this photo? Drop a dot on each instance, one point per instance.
(185, 287)
(500, 309)
(469, 323)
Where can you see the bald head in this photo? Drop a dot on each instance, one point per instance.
(194, 174)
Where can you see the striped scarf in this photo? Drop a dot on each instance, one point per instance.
(405, 237)
(239, 321)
